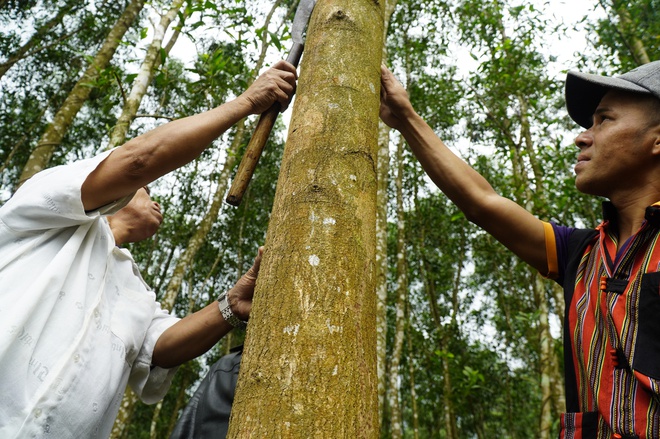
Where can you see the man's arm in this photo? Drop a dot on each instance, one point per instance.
(155, 153)
(195, 334)
(508, 222)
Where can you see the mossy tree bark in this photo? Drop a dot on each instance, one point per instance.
(309, 364)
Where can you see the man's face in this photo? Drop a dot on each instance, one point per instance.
(616, 152)
(141, 215)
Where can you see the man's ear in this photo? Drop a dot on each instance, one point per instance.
(656, 141)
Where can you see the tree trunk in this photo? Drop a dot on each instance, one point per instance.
(411, 373)
(381, 237)
(309, 364)
(628, 32)
(141, 83)
(546, 360)
(199, 237)
(125, 413)
(30, 47)
(396, 423)
(52, 137)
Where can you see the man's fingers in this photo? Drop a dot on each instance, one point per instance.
(253, 272)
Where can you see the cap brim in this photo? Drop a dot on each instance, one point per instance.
(584, 92)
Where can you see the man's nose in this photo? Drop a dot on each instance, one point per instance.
(584, 139)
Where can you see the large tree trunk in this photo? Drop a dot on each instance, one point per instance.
(309, 364)
(52, 137)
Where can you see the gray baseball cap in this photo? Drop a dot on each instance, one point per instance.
(584, 91)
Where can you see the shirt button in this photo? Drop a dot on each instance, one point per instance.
(37, 413)
(76, 358)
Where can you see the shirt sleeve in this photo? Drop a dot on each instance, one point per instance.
(53, 199)
(149, 382)
(561, 238)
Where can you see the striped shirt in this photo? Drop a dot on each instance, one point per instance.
(612, 328)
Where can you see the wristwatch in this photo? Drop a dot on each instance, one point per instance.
(228, 315)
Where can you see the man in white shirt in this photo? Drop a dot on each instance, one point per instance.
(77, 322)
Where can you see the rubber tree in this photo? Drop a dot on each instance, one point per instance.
(309, 362)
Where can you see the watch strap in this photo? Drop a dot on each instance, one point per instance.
(227, 314)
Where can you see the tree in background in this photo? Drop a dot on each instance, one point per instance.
(52, 137)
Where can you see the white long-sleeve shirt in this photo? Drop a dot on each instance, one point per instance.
(77, 321)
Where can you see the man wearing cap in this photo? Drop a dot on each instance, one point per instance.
(611, 274)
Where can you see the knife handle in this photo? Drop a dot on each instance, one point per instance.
(252, 154)
(259, 138)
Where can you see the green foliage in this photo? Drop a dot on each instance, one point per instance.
(613, 36)
(34, 88)
(477, 72)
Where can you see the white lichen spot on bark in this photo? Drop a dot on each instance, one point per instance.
(334, 328)
(329, 222)
(292, 330)
(314, 260)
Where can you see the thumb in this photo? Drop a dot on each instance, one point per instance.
(253, 272)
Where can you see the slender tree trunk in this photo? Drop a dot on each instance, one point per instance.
(381, 236)
(445, 333)
(413, 392)
(549, 358)
(546, 361)
(396, 422)
(628, 33)
(309, 364)
(125, 413)
(199, 237)
(153, 432)
(143, 80)
(180, 398)
(56, 131)
(30, 47)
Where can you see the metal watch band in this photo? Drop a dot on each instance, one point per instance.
(228, 315)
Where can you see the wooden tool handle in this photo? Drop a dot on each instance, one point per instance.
(258, 141)
(252, 154)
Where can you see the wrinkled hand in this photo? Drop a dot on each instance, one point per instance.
(240, 295)
(395, 107)
(277, 84)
